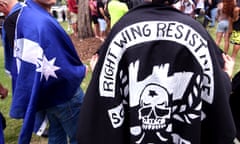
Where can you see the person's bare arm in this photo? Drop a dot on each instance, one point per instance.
(103, 14)
(228, 65)
(235, 14)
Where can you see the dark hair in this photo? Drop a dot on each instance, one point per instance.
(228, 6)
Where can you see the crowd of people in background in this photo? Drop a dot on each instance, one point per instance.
(221, 15)
(105, 14)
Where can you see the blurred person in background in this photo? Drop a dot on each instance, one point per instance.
(73, 15)
(188, 7)
(213, 11)
(225, 20)
(116, 9)
(103, 20)
(235, 36)
(94, 17)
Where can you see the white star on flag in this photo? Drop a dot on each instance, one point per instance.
(31, 52)
(47, 67)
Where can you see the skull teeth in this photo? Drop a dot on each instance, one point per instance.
(153, 126)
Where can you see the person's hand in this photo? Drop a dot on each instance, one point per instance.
(228, 65)
(93, 61)
(3, 92)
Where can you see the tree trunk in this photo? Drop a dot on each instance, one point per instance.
(84, 23)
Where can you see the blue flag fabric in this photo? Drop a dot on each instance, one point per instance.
(49, 69)
(1, 131)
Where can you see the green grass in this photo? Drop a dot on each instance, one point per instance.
(212, 31)
(13, 126)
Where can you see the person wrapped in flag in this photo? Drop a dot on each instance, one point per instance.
(49, 74)
(160, 79)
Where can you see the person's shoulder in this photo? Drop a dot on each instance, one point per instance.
(32, 16)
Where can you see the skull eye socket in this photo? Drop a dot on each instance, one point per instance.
(162, 112)
(158, 111)
(145, 111)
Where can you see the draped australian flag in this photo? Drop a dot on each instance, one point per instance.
(49, 69)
